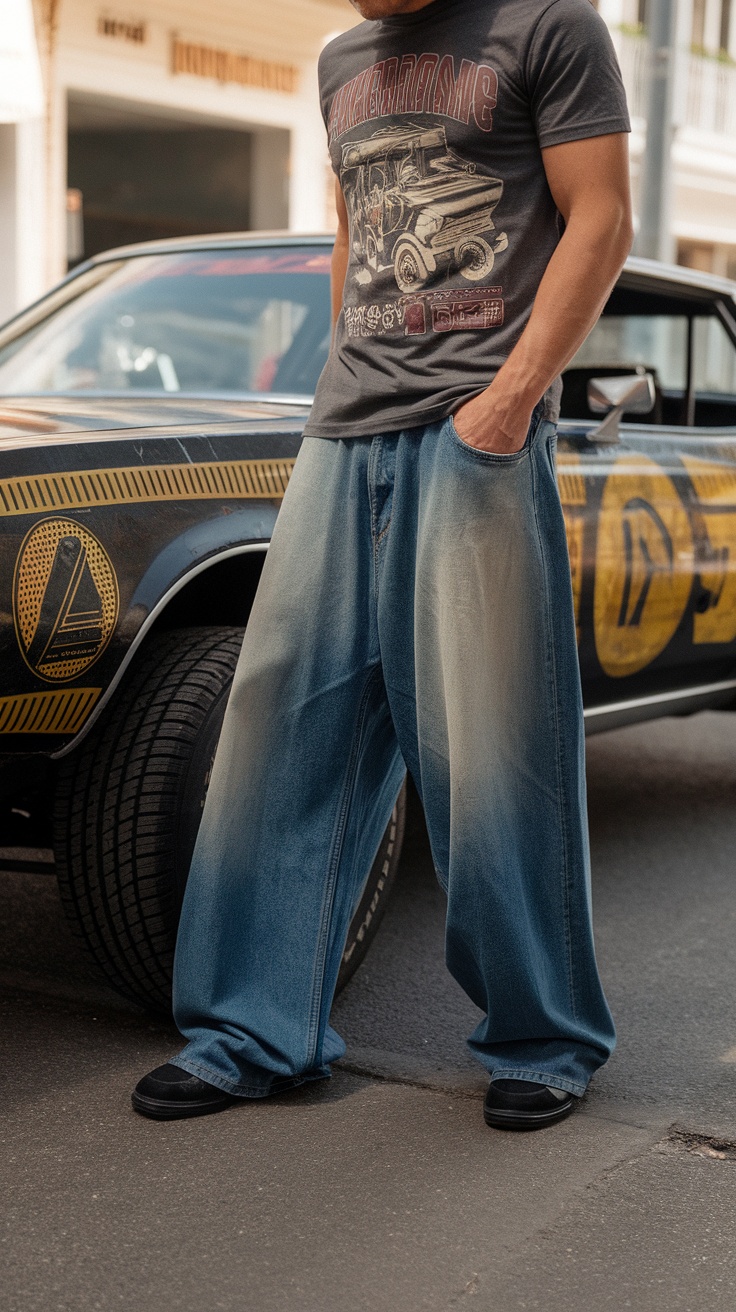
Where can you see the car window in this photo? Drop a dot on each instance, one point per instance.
(217, 322)
(714, 358)
(714, 374)
(660, 332)
(656, 341)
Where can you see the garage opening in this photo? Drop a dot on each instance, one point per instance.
(135, 175)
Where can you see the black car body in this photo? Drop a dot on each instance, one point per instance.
(151, 409)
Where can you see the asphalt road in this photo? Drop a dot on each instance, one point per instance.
(383, 1191)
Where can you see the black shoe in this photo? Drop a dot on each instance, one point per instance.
(169, 1093)
(522, 1105)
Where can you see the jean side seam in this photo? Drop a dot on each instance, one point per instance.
(332, 869)
(561, 794)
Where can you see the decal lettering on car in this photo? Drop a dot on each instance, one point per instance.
(571, 483)
(250, 480)
(715, 522)
(65, 599)
(643, 567)
(62, 710)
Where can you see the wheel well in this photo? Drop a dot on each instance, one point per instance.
(221, 594)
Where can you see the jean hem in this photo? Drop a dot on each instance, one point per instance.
(276, 1084)
(540, 1077)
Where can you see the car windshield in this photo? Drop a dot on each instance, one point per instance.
(222, 322)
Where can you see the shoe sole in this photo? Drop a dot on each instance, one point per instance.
(160, 1110)
(502, 1119)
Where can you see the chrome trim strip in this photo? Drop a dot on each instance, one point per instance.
(657, 271)
(244, 549)
(278, 427)
(225, 241)
(660, 698)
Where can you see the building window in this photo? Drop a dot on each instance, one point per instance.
(725, 25)
(708, 257)
(698, 27)
(696, 255)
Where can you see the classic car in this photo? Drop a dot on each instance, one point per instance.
(151, 409)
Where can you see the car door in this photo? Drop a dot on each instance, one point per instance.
(651, 521)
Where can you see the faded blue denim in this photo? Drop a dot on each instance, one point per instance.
(415, 606)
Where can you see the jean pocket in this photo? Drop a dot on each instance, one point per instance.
(496, 457)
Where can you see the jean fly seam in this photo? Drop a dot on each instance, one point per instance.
(384, 530)
(332, 869)
(373, 458)
(377, 534)
(561, 803)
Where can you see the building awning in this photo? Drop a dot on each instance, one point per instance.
(21, 88)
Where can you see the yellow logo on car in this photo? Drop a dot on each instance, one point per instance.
(715, 517)
(644, 566)
(65, 599)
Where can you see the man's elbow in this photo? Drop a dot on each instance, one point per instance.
(610, 232)
(620, 227)
(625, 233)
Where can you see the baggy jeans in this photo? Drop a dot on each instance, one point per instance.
(415, 610)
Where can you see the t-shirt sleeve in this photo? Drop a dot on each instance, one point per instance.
(572, 75)
(322, 75)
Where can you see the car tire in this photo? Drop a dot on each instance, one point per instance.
(370, 252)
(410, 270)
(474, 258)
(127, 808)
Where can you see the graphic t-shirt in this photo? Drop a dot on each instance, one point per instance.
(435, 122)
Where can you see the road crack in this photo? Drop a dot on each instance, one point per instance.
(709, 1146)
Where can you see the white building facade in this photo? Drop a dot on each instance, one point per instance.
(703, 218)
(155, 118)
(120, 122)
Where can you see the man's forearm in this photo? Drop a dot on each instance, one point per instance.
(589, 181)
(575, 287)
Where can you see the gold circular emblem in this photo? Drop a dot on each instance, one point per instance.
(65, 599)
(643, 566)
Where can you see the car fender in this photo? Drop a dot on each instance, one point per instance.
(180, 561)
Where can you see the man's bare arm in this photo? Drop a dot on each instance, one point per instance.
(589, 181)
(340, 254)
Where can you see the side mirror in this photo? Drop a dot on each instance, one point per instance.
(632, 394)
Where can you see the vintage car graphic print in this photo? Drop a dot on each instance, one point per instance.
(65, 599)
(419, 213)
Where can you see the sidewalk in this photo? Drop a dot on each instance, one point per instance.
(382, 1190)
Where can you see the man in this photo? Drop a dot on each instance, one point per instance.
(415, 607)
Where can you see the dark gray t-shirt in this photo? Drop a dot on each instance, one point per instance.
(435, 122)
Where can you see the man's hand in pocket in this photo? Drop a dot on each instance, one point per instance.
(493, 425)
